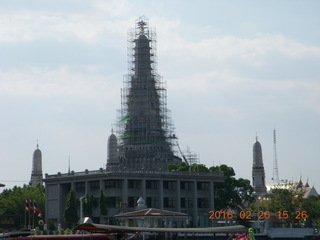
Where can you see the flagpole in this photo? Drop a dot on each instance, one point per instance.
(29, 225)
(32, 220)
(33, 210)
(25, 214)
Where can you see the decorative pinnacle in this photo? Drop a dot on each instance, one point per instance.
(141, 25)
(37, 144)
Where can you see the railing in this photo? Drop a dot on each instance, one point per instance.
(118, 171)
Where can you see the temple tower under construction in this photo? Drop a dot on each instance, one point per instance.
(144, 131)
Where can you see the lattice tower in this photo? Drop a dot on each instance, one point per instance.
(275, 177)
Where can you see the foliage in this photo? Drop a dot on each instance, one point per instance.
(228, 171)
(70, 212)
(312, 207)
(233, 193)
(51, 226)
(291, 205)
(289, 199)
(103, 204)
(13, 201)
(87, 205)
(182, 167)
(199, 168)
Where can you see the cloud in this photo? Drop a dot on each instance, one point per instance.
(113, 8)
(57, 82)
(31, 25)
(254, 51)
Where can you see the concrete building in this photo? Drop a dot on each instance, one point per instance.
(36, 174)
(187, 192)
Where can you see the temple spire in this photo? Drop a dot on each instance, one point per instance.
(36, 174)
(258, 174)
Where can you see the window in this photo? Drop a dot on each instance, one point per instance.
(186, 185)
(136, 184)
(203, 186)
(203, 203)
(169, 202)
(113, 183)
(80, 186)
(132, 201)
(94, 185)
(169, 185)
(150, 184)
(186, 203)
(152, 202)
(114, 201)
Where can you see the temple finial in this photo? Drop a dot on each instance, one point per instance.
(37, 144)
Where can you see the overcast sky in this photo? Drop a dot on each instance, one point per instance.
(233, 69)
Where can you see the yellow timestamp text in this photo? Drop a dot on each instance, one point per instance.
(259, 215)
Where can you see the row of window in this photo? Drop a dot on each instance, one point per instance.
(150, 184)
(168, 202)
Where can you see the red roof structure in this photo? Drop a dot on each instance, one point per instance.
(153, 217)
(151, 212)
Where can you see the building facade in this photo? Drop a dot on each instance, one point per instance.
(187, 192)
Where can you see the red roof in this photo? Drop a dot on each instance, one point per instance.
(153, 212)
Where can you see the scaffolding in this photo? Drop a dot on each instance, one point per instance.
(191, 157)
(144, 127)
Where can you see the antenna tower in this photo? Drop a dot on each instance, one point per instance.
(275, 177)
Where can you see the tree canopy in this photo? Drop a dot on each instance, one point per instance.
(290, 206)
(232, 193)
(13, 201)
(103, 204)
(70, 212)
(87, 204)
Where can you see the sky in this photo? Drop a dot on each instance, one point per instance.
(234, 70)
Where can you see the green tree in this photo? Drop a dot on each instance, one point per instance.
(312, 208)
(87, 204)
(103, 205)
(199, 168)
(182, 167)
(285, 202)
(13, 202)
(232, 193)
(70, 214)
